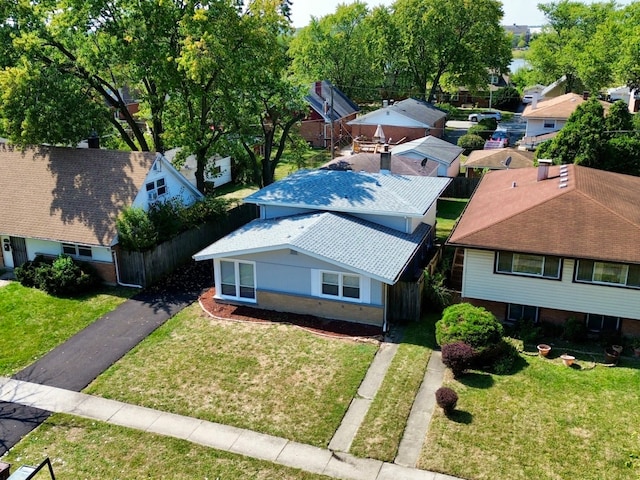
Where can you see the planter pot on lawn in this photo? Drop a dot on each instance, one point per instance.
(567, 359)
(544, 349)
(611, 356)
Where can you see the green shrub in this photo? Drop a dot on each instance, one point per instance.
(465, 323)
(26, 273)
(61, 277)
(166, 218)
(500, 359)
(575, 330)
(206, 210)
(481, 131)
(436, 293)
(136, 231)
(527, 331)
(471, 142)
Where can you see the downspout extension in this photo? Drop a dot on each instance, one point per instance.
(115, 260)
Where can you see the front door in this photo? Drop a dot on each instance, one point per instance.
(19, 250)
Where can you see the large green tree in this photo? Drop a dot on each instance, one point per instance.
(456, 42)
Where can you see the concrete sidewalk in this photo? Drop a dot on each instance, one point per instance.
(222, 437)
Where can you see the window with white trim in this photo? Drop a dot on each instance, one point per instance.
(340, 285)
(528, 264)
(605, 273)
(76, 250)
(602, 323)
(237, 279)
(156, 189)
(548, 124)
(517, 312)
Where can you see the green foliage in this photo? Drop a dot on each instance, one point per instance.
(136, 231)
(437, 295)
(472, 325)
(502, 359)
(166, 218)
(60, 277)
(506, 98)
(481, 130)
(471, 142)
(527, 331)
(575, 330)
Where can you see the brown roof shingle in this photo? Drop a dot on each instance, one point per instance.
(68, 194)
(596, 216)
(557, 107)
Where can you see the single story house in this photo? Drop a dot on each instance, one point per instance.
(330, 243)
(479, 161)
(374, 163)
(66, 200)
(405, 120)
(432, 149)
(546, 117)
(553, 243)
(218, 171)
(328, 107)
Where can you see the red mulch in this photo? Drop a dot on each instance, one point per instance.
(323, 326)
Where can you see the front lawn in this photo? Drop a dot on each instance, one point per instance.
(271, 378)
(449, 210)
(547, 421)
(33, 323)
(81, 448)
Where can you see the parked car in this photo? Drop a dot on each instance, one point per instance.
(476, 117)
(501, 136)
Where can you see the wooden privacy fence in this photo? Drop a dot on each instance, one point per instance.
(405, 301)
(146, 268)
(461, 187)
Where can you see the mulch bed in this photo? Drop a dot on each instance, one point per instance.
(318, 325)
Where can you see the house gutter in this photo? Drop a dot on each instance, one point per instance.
(385, 325)
(115, 258)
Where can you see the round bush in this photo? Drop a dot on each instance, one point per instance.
(471, 142)
(457, 356)
(447, 399)
(465, 323)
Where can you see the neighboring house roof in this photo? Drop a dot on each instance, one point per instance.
(320, 98)
(68, 194)
(497, 159)
(363, 247)
(353, 192)
(370, 162)
(429, 147)
(596, 215)
(406, 113)
(558, 107)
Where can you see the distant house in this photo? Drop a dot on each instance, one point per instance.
(546, 117)
(401, 121)
(66, 200)
(218, 171)
(479, 161)
(335, 244)
(552, 243)
(432, 149)
(375, 163)
(328, 107)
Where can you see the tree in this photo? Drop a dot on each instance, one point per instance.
(456, 42)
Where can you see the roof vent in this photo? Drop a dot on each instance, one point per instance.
(513, 185)
(563, 185)
(543, 168)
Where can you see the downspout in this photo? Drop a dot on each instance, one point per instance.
(115, 260)
(384, 311)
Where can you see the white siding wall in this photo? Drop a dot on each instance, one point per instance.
(402, 224)
(175, 188)
(535, 126)
(271, 211)
(100, 254)
(480, 282)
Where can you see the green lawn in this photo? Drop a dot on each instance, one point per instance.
(80, 448)
(271, 378)
(449, 209)
(546, 421)
(32, 322)
(380, 434)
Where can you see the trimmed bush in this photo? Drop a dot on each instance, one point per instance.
(26, 273)
(501, 359)
(480, 130)
(457, 356)
(465, 323)
(575, 330)
(61, 277)
(447, 399)
(471, 142)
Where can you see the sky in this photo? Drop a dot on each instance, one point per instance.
(520, 12)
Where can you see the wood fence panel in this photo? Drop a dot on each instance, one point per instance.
(146, 268)
(461, 187)
(405, 301)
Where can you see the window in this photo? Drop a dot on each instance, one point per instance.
(156, 189)
(602, 323)
(340, 285)
(549, 124)
(237, 279)
(527, 264)
(493, 79)
(589, 271)
(76, 250)
(522, 312)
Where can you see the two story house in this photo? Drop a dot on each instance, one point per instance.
(554, 242)
(329, 243)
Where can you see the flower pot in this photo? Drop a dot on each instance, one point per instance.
(567, 359)
(543, 349)
(611, 356)
(617, 348)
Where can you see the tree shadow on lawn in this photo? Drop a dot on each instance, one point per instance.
(476, 380)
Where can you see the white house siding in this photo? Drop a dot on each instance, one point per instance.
(188, 170)
(282, 271)
(535, 126)
(402, 224)
(480, 282)
(175, 188)
(271, 211)
(46, 247)
(454, 169)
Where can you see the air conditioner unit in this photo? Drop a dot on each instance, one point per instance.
(153, 196)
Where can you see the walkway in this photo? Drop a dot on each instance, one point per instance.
(215, 435)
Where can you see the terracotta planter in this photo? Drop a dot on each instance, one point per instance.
(611, 356)
(543, 349)
(567, 359)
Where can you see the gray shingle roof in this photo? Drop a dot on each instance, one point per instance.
(368, 248)
(353, 192)
(429, 147)
(342, 105)
(417, 110)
